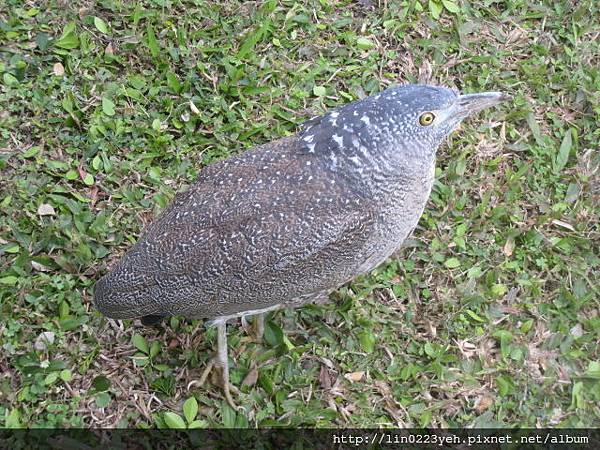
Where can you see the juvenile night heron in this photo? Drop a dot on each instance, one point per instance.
(288, 222)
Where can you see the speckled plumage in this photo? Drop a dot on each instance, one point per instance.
(292, 220)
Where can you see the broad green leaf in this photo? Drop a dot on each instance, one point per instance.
(152, 42)
(12, 247)
(173, 420)
(319, 91)
(9, 79)
(499, 289)
(563, 153)
(108, 106)
(69, 39)
(63, 310)
(41, 41)
(526, 326)
(435, 9)
(140, 343)
(69, 105)
(101, 383)
(102, 399)
(66, 375)
(505, 385)
(139, 359)
(154, 349)
(13, 419)
(101, 25)
(51, 378)
(573, 192)
(577, 398)
(190, 409)
(96, 162)
(505, 337)
(31, 151)
(429, 350)
(9, 281)
(451, 6)
(534, 127)
(364, 43)
(593, 370)
(6, 201)
(228, 415)
(474, 316)
(367, 341)
(253, 38)
(198, 424)
(452, 263)
(173, 82)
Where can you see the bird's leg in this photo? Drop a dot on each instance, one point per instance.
(259, 326)
(223, 362)
(207, 371)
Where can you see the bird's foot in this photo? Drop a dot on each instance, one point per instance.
(222, 362)
(223, 381)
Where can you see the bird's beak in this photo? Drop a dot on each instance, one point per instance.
(471, 103)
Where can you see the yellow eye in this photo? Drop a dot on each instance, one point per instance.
(426, 119)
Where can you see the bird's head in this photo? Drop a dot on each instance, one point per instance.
(399, 124)
(429, 113)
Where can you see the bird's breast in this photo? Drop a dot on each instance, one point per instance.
(401, 206)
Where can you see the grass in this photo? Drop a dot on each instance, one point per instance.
(489, 316)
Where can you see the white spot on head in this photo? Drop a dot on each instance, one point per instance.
(338, 139)
(365, 119)
(334, 114)
(333, 160)
(311, 148)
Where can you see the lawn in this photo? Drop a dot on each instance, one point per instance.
(488, 316)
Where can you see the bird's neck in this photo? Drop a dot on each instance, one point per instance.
(385, 174)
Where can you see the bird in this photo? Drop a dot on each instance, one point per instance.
(288, 222)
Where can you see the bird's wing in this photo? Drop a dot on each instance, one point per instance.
(237, 242)
(301, 257)
(249, 261)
